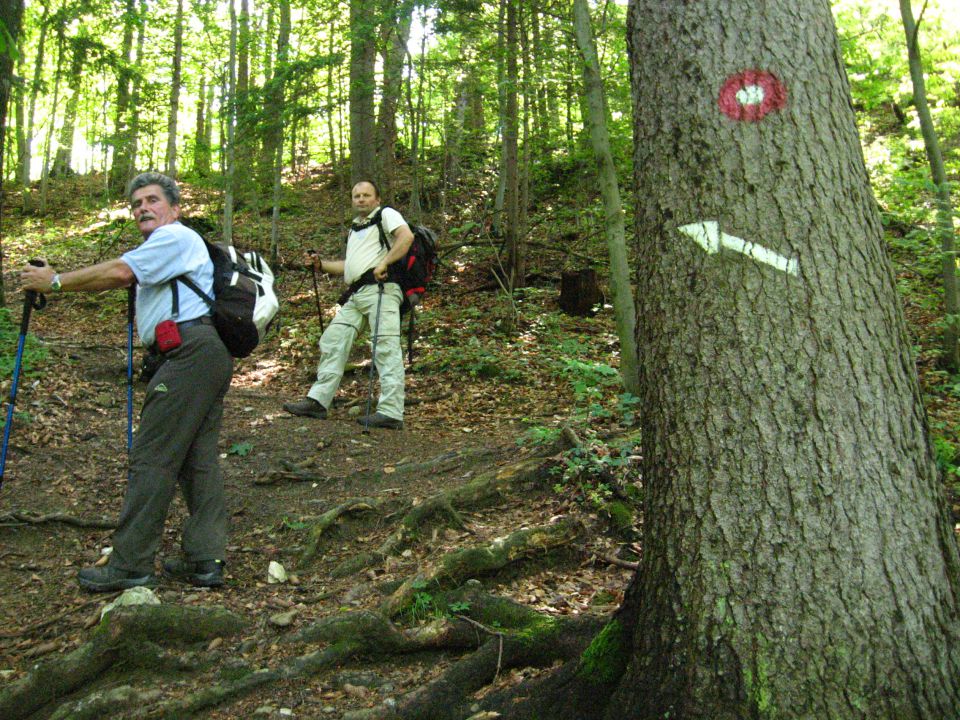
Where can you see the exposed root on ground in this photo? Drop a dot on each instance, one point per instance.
(22, 518)
(131, 635)
(458, 566)
(330, 518)
(484, 488)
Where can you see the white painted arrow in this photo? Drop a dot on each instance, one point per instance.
(708, 236)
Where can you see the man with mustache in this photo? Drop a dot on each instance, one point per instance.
(182, 412)
(371, 300)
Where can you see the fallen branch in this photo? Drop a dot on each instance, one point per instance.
(26, 518)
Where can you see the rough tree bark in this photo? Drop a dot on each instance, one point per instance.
(798, 559)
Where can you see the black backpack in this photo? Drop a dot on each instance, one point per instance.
(243, 302)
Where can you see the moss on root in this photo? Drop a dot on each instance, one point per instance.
(605, 659)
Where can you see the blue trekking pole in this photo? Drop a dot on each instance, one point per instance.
(373, 362)
(32, 300)
(131, 311)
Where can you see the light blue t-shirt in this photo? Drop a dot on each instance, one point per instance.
(170, 251)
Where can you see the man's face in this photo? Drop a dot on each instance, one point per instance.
(365, 198)
(151, 209)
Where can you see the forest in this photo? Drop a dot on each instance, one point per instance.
(682, 431)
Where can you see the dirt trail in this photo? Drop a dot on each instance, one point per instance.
(70, 458)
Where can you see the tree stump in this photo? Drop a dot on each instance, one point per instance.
(579, 292)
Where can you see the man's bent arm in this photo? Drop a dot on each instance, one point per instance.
(102, 276)
(402, 239)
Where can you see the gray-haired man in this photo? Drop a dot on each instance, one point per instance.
(183, 408)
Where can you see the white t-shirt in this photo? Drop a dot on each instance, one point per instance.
(363, 247)
(170, 251)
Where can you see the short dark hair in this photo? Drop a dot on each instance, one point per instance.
(166, 183)
(369, 182)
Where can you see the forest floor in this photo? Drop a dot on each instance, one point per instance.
(468, 405)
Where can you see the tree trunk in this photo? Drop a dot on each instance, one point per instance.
(171, 161)
(11, 15)
(274, 109)
(27, 155)
(798, 560)
(623, 304)
(363, 56)
(945, 231)
(123, 160)
(416, 117)
(397, 33)
(230, 119)
(61, 161)
(201, 149)
(137, 85)
(514, 267)
(274, 136)
(51, 122)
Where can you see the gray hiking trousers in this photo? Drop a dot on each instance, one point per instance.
(176, 443)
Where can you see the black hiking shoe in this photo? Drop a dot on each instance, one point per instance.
(379, 420)
(203, 573)
(308, 407)
(111, 579)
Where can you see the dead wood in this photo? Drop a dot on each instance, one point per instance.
(21, 517)
(485, 487)
(128, 634)
(458, 566)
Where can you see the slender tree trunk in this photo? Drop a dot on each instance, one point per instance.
(275, 98)
(175, 82)
(230, 120)
(416, 113)
(11, 15)
(363, 56)
(51, 119)
(201, 150)
(332, 102)
(623, 303)
(274, 135)
(945, 231)
(137, 86)
(514, 265)
(61, 161)
(26, 159)
(397, 33)
(123, 167)
(798, 558)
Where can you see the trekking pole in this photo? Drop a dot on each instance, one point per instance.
(32, 300)
(373, 362)
(131, 311)
(316, 294)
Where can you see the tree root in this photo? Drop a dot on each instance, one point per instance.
(329, 518)
(483, 488)
(529, 639)
(458, 566)
(19, 517)
(128, 634)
